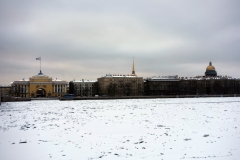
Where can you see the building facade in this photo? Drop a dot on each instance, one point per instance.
(209, 85)
(121, 85)
(172, 85)
(83, 88)
(39, 86)
(5, 91)
(164, 85)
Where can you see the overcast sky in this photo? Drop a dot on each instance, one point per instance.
(86, 39)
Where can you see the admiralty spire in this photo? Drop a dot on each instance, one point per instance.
(133, 70)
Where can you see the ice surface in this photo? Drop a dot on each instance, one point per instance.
(169, 129)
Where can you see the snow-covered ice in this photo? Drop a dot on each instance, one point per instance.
(169, 129)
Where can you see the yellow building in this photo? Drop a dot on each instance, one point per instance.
(39, 86)
(121, 85)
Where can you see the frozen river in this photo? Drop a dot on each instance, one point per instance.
(168, 129)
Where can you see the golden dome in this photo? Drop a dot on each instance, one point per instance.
(210, 71)
(210, 68)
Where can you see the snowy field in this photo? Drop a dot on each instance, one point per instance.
(154, 129)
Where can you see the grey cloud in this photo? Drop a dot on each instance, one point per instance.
(91, 38)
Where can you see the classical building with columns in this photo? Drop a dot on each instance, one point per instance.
(39, 85)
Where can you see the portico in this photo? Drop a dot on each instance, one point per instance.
(39, 85)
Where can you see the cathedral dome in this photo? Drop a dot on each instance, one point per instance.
(210, 70)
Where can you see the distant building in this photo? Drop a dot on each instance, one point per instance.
(210, 71)
(209, 85)
(201, 85)
(164, 85)
(121, 85)
(83, 87)
(39, 86)
(5, 91)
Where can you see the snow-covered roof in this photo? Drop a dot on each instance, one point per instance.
(164, 78)
(209, 78)
(119, 75)
(84, 80)
(57, 80)
(24, 80)
(5, 86)
(21, 81)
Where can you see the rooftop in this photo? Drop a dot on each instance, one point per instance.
(165, 78)
(208, 78)
(40, 73)
(120, 75)
(169, 78)
(84, 80)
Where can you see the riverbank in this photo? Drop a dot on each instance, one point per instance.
(13, 99)
(17, 99)
(149, 97)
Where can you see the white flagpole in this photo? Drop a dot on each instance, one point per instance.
(40, 64)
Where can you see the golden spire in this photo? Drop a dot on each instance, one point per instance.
(133, 70)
